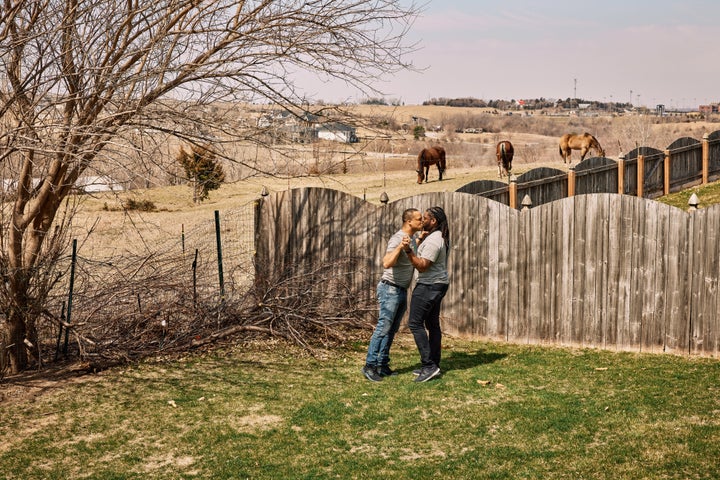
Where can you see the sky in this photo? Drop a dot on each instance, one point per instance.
(645, 52)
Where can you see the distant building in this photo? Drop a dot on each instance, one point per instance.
(307, 127)
(98, 183)
(87, 184)
(337, 132)
(420, 121)
(708, 109)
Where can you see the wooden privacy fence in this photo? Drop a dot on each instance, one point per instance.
(600, 270)
(643, 172)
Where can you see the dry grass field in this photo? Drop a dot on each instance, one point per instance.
(383, 161)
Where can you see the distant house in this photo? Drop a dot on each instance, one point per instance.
(337, 132)
(420, 121)
(88, 184)
(307, 127)
(97, 183)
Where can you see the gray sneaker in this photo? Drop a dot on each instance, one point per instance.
(371, 374)
(427, 373)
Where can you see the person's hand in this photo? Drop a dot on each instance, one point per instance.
(406, 244)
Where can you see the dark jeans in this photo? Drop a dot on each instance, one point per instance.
(424, 321)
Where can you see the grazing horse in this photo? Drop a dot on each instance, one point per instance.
(430, 156)
(504, 152)
(584, 143)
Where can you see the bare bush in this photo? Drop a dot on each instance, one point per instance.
(149, 306)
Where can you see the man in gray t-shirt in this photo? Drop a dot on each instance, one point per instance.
(392, 296)
(433, 249)
(432, 285)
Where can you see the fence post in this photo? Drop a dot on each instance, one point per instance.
(219, 254)
(194, 270)
(512, 192)
(666, 173)
(60, 331)
(640, 175)
(571, 182)
(705, 158)
(621, 174)
(70, 294)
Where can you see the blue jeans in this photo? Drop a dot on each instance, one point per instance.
(424, 321)
(393, 303)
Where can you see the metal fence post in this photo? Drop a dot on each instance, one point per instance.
(219, 254)
(70, 294)
(60, 331)
(194, 269)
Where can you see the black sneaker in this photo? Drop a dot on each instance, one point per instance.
(427, 373)
(416, 372)
(371, 374)
(385, 371)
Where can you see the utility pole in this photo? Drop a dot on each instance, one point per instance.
(575, 91)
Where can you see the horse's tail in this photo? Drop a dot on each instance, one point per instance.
(502, 151)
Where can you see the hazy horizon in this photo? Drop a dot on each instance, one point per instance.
(645, 53)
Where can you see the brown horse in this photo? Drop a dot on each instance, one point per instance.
(430, 156)
(584, 143)
(504, 152)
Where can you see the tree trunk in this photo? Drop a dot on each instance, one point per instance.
(14, 327)
(19, 325)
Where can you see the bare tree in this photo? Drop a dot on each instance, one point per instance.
(79, 80)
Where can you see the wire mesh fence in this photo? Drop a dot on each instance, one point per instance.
(155, 299)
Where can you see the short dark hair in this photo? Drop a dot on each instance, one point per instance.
(408, 214)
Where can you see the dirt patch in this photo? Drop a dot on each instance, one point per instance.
(27, 386)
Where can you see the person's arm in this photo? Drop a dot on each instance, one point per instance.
(391, 257)
(421, 264)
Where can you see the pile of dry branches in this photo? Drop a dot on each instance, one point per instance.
(145, 308)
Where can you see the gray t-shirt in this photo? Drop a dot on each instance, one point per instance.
(433, 248)
(401, 274)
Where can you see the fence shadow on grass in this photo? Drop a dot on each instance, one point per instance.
(460, 361)
(466, 360)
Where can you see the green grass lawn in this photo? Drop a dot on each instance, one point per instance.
(269, 411)
(707, 195)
